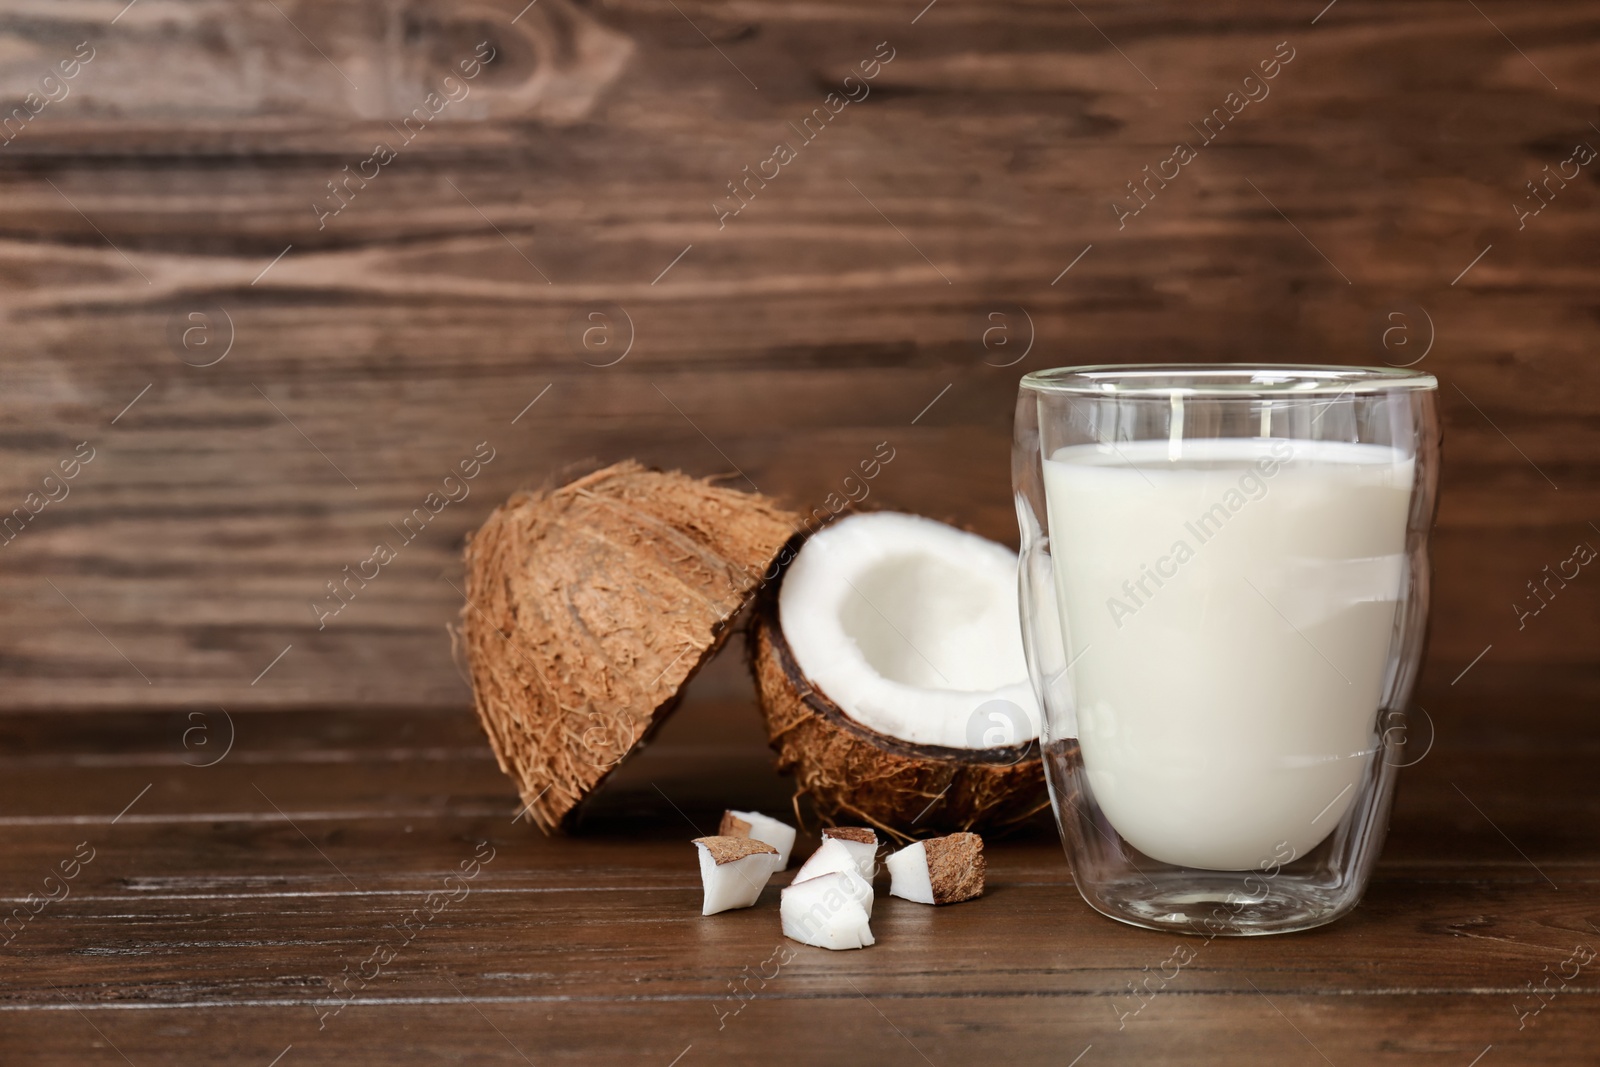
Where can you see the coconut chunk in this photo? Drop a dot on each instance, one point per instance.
(862, 844)
(780, 835)
(836, 855)
(943, 870)
(908, 874)
(831, 857)
(733, 871)
(831, 911)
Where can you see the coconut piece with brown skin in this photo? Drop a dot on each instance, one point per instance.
(918, 622)
(780, 835)
(588, 609)
(941, 870)
(733, 871)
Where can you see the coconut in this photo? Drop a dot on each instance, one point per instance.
(733, 871)
(780, 835)
(834, 855)
(588, 609)
(891, 674)
(862, 845)
(942, 870)
(832, 910)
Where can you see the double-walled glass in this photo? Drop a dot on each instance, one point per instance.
(1224, 587)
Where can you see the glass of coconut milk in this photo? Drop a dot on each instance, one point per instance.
(1224, 586)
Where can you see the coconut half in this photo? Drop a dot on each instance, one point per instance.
(891, 673)
(588, 609)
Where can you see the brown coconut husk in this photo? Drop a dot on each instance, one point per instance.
(588, 609)
(856, 774)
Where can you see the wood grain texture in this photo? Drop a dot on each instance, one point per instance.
(453, 287)
(223, 905)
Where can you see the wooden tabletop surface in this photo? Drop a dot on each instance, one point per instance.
(235, 905)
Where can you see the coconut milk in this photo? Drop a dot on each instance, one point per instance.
(1229, 607)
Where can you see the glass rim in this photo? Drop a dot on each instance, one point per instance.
(1238, 380)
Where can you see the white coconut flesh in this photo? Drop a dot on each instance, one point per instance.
(908, 874)
(911, 628)
(753, 824)
(861, 843)
(833, 856)
(830, 911)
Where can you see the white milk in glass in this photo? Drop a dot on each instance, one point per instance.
(1230, 612)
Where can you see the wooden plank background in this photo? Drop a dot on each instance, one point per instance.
(171, 189)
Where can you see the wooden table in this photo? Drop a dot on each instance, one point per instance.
(228, 909)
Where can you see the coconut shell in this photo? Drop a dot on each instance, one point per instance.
(857, 774)
(588, 609)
